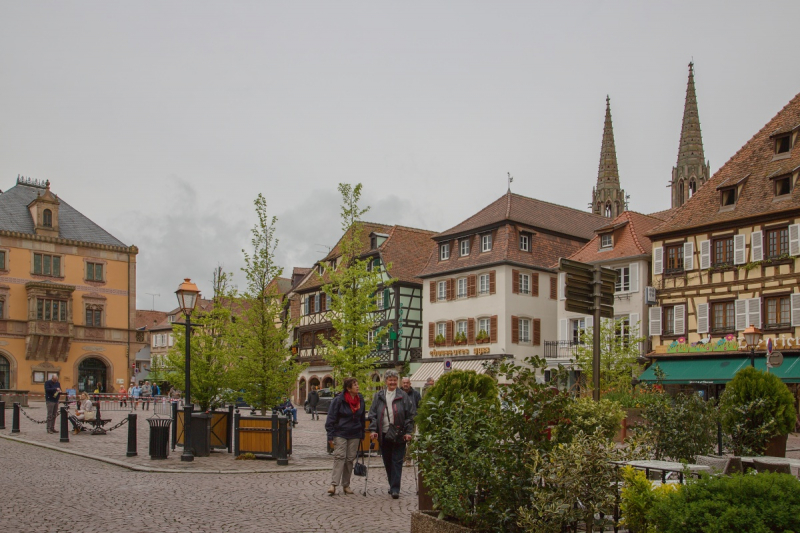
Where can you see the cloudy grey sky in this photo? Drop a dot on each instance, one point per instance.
(163, 120)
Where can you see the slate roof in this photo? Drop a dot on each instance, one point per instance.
(754, 161)
(535, 213)
(629, 239)
(405, 249)
(72, 225)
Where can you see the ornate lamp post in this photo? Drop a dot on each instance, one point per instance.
(752, 337)
(187, 300)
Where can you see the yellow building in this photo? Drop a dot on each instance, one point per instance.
(67, 295)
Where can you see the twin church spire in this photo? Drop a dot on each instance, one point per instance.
(690, 173)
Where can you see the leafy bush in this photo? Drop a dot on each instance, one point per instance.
(760, 503)
(682, 427)
(449, 388)
(755, 407)
(638, 497)
(641, 397)
(586, 415)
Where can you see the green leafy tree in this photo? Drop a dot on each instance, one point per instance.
(265, 370)
(619, 351)
(452, 386)
(682, 427)
(211, 349)
(352, 285)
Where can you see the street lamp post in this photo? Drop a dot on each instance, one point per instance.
(187, 299)
(752, 337)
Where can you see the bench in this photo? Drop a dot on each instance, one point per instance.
(97, 424)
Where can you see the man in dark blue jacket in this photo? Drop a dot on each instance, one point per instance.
(52, 388)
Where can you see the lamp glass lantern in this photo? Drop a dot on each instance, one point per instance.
(187, 296)
(752, 336)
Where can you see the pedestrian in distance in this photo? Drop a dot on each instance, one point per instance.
(289, 409)
(52, 390)
(313, 401)
(146, 393)
(136, 392)
(416, 397)
(428, 384)
(391, 419)
(345, 428)
(123, 396)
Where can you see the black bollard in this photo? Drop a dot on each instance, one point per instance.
(719, 438)
(97, 411)
(15, 419)
(281, 454)
(174, 424)
(229, 428)
(64, 425)
(131, 435)
(2, 415)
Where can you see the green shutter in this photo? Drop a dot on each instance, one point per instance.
(37, 263)
(386, 298)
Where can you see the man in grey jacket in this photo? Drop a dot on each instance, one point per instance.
(392, 407)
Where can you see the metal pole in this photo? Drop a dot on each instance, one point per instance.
(281, 456)
(2, 415)
(596, 335)
(188, 455)
(719, 438)
(131, 435)
(15, 418)
(64, 425)
(753, 356)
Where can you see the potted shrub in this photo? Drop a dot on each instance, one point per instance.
(460, 339)
(439, 340)
(482, 337)
(758, 413)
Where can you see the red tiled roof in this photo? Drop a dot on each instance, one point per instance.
(754, 161)
(282, 285)
(148, 319)
(532, 212)
(628, 238)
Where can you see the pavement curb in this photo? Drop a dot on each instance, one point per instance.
(139, 468)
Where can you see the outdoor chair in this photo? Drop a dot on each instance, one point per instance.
(734, 466)
(778, 468)
(718, 464)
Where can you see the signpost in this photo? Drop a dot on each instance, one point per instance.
(589, 290)
(774, 359)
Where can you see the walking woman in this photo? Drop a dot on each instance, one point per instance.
(345, 427)
(392, 415)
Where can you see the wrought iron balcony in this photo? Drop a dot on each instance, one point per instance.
(560, 349)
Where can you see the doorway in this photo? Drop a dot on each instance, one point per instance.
(92, 374)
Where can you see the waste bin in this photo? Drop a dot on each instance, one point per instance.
(201, 434)
(159, 437)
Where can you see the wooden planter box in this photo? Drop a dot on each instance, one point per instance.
(259, 435)
(426, 522)
(483, 341)
(221, 436)
(777, 446)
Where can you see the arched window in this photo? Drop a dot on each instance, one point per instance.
(692, 187)
(608, 209)
(92, 374)
(47, 218)
(680, 193)
(5, 373)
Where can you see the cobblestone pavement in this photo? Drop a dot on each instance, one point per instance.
(48, 491)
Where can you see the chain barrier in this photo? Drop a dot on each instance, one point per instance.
(31, 419)
(118, 425)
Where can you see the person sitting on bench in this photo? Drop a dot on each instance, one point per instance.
(84, 412)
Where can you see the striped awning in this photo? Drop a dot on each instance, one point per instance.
(436, 369)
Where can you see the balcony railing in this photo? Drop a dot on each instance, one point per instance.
(560, 349)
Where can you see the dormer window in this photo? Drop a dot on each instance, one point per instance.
(463, 247)
(47, 218)
(373, 242)
(728, 196)
(783, 144)
(320, 269)
(486, 242)
(444, 252)
(783, 185)
(525, 242)
(606, 241)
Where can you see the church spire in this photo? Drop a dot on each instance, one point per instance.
(607, 197)
(691, 170)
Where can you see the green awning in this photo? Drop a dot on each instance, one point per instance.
(717, 370)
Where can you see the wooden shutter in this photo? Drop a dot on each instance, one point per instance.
(739, 250)
(741, 314)
(688, 255)
(449, 330)
(432, 285)
(754, 312)
(316, 303)
(563, 329)
(322, 302)
(515, 281)
(794, 239)
(472, 284)
(705, 255)
(431, 334)
(757, 246)
(493, 327)
(702, 318)
(655, 320)
(633, 321)
(386, 298)
(514, 330)
(451, 292)
(658, 260)
(471, 330)
(553, 287)
(680, 320)
(535, 284)
(562, 282)
(537, 332)
(795, 309)
(492, 282)
(634, 277)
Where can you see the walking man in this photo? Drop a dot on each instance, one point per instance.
(313, 401)
(412, 393)
(52, 388)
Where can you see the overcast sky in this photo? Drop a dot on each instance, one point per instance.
(162, 121)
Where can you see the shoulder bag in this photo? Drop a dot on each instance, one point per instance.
(359, 468)
(392, 433)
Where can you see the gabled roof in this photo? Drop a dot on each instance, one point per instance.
(282, 285)
(145, 320)
(531, 212)
(72, 225)
(754, 161)
(629, 239)
(405, 250)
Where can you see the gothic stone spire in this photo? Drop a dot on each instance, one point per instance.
(691, 171)
(607, 197)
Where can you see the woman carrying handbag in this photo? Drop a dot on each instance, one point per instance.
(345, 428)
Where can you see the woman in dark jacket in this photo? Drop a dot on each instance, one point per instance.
(345, 428)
